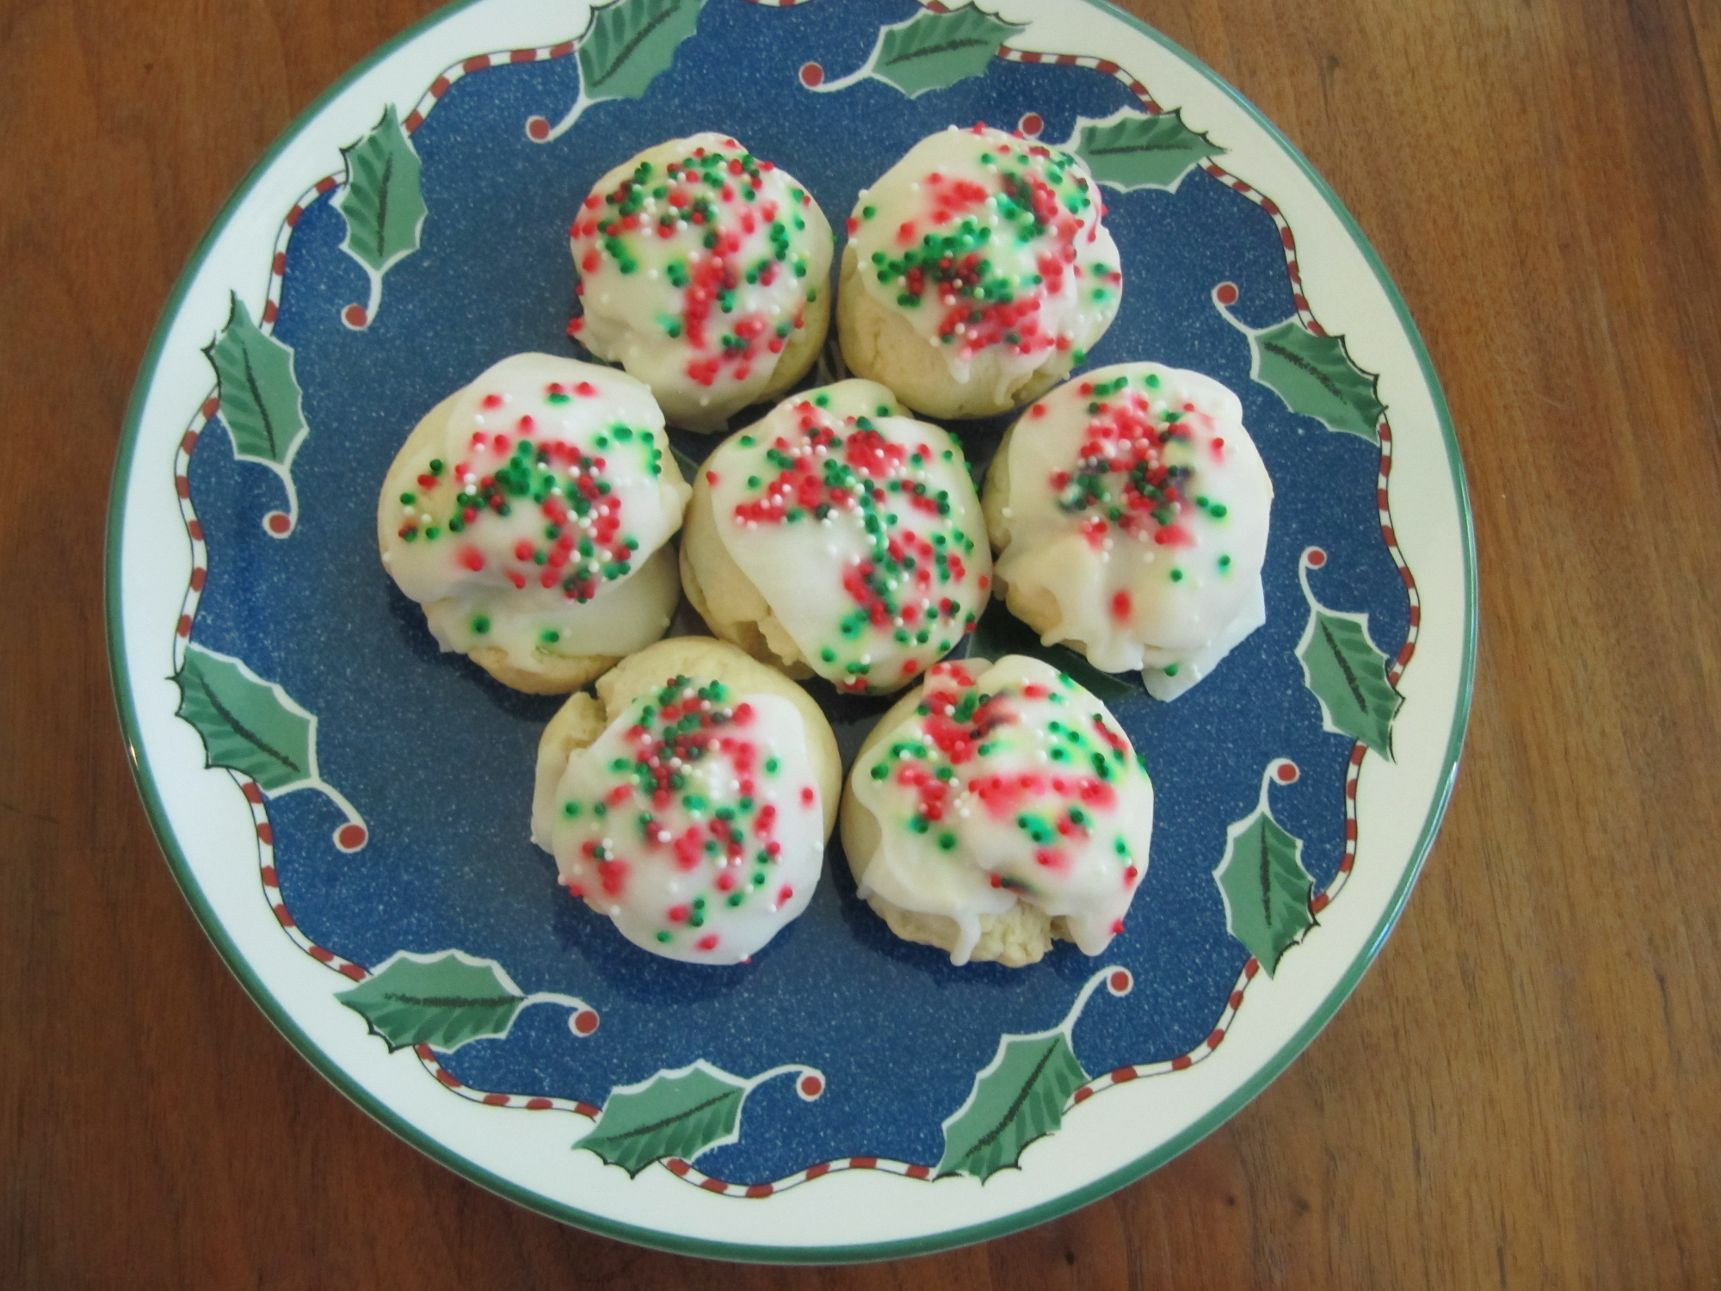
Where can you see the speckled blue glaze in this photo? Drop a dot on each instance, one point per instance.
(439, 758)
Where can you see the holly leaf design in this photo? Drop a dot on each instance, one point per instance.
(674, 1114)
(1131, 150)
(1265, 887)
(1314, 376)
(442, 1000)
(1347, 674)
(247, 724)
(382, 203)
(937, 48)
(1000, 632)
(630, 43)
(260, 401)
(1018, 1098)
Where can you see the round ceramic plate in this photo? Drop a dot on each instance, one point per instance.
(346, 808)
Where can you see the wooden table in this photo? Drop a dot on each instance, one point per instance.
(1525, 1089)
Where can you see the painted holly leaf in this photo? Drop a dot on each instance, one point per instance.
(1347, 674)
(443, 1001)
(936, 48)
(1132, 150)
(674, 1114)
(1265, 887)
(1000, 632)
(255, 728)
(1021, 1094)
(260, 400)
(1314, 375)
(630, 43)
(248, 725)
(1018, 1098)
(382, 202)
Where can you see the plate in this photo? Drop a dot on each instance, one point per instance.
(346, 809)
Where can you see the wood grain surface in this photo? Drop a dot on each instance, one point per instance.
(1523, 1092)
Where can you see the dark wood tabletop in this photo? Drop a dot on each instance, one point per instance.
(1526, 1089)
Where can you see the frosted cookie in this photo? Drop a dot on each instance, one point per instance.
(1129, 510)
(530, 515)
(690, 801)
(999, 807)
(977, 273)
(838, 536)
(704, 271)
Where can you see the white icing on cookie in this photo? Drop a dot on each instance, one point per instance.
(693, 822)
(697, 262)
(1009, 783)
(860, 527)
(539, 515)
(1139, 505)
(991, 246)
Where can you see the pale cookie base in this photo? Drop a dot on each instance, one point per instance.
(584, 717)
(878, 342)
(1038, 608)
(550, 672)
(1020, 936)
(731, 605)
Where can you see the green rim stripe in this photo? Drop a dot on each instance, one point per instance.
(120, 668)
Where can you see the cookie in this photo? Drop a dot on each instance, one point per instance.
(705, 272)
(840, 537)
(1129, 509)
(690, 800)
(995, 809)
(977, 274)
(530, 515)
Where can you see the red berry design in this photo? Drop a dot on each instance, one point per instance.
(812, 75)
(1226, 293)
(354, 316)
(584, 1022)
(537, 129)
(811, 1086)
(1287, 773)
(351, 837)
(1031, 124)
